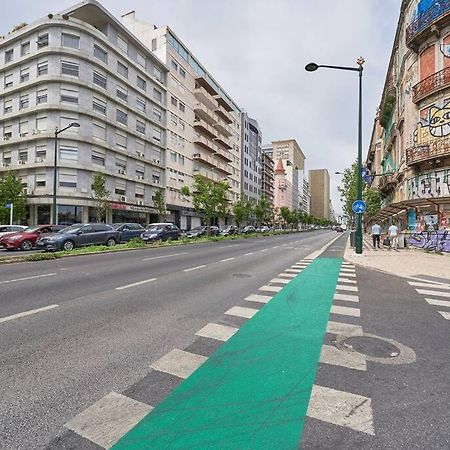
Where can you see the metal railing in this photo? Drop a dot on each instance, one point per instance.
(431, 84)
(431, 150)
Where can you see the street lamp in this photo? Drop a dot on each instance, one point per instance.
(311, 67)
(55, 168)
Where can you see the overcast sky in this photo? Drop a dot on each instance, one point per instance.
(257, 50)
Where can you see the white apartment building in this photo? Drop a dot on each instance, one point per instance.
(204, 135)
(83, 66)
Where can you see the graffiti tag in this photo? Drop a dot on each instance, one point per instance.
(438, 241)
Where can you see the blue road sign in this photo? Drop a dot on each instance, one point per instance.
(359, 206)
(8, 206)
(363, 172)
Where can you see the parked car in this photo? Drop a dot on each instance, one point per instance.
(249, 229)
(161, 232)
(26, 240)
(128, 231)
(339, 229)
(202, 231)
(263, 229)
(80, 235)
(8, 229)
(230, 229)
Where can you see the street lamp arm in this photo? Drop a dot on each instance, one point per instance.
(73, 124)
(353, 69)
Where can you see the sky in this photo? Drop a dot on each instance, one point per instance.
(257, 50)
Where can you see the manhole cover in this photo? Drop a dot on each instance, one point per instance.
(241, 275)
(371, 346)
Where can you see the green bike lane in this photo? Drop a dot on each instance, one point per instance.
(254, 390)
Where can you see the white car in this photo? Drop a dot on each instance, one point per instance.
(8, 229)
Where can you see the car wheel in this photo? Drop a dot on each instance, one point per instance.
(26, 245)
(111, 242)
(68, 246)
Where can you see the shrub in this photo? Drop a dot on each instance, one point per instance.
(186, 240)
(41, 256)
(135, 243)
(214, 238)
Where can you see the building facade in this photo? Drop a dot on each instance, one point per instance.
(251, 141)
(410, 146)
(319, 185)
(204, 123)
(282, 188)
(83, 66)
(267, 177)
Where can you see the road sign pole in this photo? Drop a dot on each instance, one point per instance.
(11, 214)
(358, 234)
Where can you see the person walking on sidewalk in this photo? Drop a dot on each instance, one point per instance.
(376, 232)
(393, 237)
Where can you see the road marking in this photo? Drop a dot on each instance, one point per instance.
(341, 408)
(251, 253)
(336, 357)
(429, 285)
(345, 280)
(436, 293)
(216, 331)
(345, 310)
(287, 275)
(164, 256)
(346, 274)
(241, 311)
(179, 363)
(344, 269)
(270, 288)
(276, 246)
(445, 314)
(279, 281)
(341, 287)
(293, 270)
(299, 266)
(345, 329)
(27, 313)
(28, 278)
(258, 298)
(264, 250)
(226, 259)
(135, 284)
(436, 302)
(194, 268)
(346, 298)
(107, 420)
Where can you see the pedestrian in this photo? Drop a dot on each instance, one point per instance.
(376, 232)
(393, 237)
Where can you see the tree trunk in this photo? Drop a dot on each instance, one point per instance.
(208, 230)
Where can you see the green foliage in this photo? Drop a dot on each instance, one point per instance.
(240, 212)
(264, 212)
(372, 197)
(159, 203)
(285, 214)
(11, 191)
(386, 110)
(348, 188)
(135, 243)
(100, 194)
(42, 256)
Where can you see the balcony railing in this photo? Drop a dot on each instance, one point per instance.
(431, 84)
(431, 16)
(425, 152)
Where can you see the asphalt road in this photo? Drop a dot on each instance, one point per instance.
(108, 317)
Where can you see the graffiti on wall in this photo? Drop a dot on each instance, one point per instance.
(438, 241)
(431, 184)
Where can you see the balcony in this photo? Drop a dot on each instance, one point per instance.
(224, 154)
(204, 113)
(431, 84)
(223, 128)
(224, 142)
(205, 143)
(224, 114)
(204, 158)
(225, 103)
(427, 152)
(427, 23)
(203, 96)
(225, 168)
(207, 174)
(387, 183)
(203, 127)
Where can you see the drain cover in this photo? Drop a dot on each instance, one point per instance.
(241, 275)
(372, 346)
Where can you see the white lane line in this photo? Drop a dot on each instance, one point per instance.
(164, 256)
(434, 293)
(346, 274)
(194, 268)
(436, 302)
(344, 270)
(28, 278)
(341, 287)
(258, 298)
(138, 283)
(346, 298)
(341, 408)
(216, 331)
(445, 314)
(276, 246)
(270, 288)
(241, 311)
(346, 329)
(179, 363)
(287, 275)
(334, 356)
(250, 253)
(226, 259)
(107, 420)
(346, 280)
(293, 270)
(264, 250)
(429, 285)
(280, 280)
(345, 310)
(27, 313)
(299, 266)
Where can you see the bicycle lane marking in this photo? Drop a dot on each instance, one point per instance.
(255, 389)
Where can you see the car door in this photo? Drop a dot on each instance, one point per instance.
(101, 232)
(85, 235)
(125, 233)
(174, 231)
(136, 230)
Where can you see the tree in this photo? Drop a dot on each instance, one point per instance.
(159, 203)
(240, 212)
(285, 214)
(11, 191)
(263, 211)
(348, 189)
(209, 198)
(100, 194)
(372, 197)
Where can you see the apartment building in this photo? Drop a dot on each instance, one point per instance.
(204, 123)
(282, 188)
(83, 66)
(267, 177)
(409, 152)
(251, 141)
(319, 186)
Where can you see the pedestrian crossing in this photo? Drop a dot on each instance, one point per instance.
(435, 295)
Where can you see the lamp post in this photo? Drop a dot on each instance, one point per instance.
(311, 67)
(55, 168)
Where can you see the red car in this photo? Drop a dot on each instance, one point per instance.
(26, 239)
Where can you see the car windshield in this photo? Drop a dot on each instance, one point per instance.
(71, 229)
(32, 229)
(156, 227)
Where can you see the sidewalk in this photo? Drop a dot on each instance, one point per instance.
(404, 263)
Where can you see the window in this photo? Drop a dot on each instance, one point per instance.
(100, 54)
(99, 130)
(140, 148)
(7, 158)
(25, 48)
(140, 126)
(121, 117)
(182, 125)
(156, 177)
(181, 160)
(42, 68)
(141, 59)
(41, 96)
(173, 156)
(121, 164)
(99, 105)
(70, 68)
(140, 104)
(139, 170)
(99, 79)
(182, 107)
(174, 66)
(39, 180)
(24, 74)
(157, 114)
(24, 101)
(157, 73)
(122, 69)
(69, 95)
(23, 128)
(23, 154)
(68, 152)
(122, 44)
(7, 106)
(157, 95)
(9, 54)
(68, 179)
(7, 131)
(121, 139)
(156, 135)
(154, 42)
(122, 92)
(139, 191)
(174, 101)
(173, 119)
(70, 40)
(41, 153)
(120, 187)
(8, 80)
(42, 40)
(98, 157)
(141, 83)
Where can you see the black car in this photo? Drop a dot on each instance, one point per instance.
(202, 231)
(161, 232)
(80, 235)
(230, 229)
(128, 231)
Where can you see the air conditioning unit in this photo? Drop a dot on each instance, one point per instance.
(23, 134)
(123, 198)
(140, 202)
(40, 160)
(22, 162)
(35, 131)
(4, 165)
(140, 177)
(156, 181)
(155, 160)
(140, 154)
(122, 171)
(25, 191)
(6, 138)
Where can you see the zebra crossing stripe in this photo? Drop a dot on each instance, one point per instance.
(179, 363)
(346, 298)
(241, 311)
(433, 293)
(345, 310)
(445, 314)
(258, 298)
(436, 302)
(346, 329)
(217, 331)
(429, 285)
(347, 274)
(287, 275)
(279, 281)
(270, 288)
(345, 280)
(350, 359)
(341, 287)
